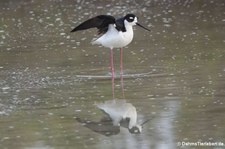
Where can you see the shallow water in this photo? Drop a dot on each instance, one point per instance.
(174, 75)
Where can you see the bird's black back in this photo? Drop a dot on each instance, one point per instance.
(102, 23)
(120, 24)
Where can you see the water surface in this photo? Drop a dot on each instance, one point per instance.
(174, 75)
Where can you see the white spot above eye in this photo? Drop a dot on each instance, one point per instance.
(131, 18)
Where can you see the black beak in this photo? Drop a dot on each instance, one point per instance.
(143, 27)
(145, 122)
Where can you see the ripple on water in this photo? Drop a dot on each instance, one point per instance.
(6, 109)
(127, 76)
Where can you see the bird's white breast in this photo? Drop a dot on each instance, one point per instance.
(114, 38)
(118, 110)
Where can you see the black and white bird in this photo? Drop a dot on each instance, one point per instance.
(117, 114)
(122, 113)
(115, 33)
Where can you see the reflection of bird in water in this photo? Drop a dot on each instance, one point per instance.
(104, 126)
(120, 113)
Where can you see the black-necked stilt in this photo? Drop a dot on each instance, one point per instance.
(118, 113)
(119, 110)
(116, 33)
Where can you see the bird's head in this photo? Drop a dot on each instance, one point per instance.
(135, 129)
(131, 19)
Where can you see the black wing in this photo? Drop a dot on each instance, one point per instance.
(101, 22)
(104, 127)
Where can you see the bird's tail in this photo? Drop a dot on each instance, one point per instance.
(94, 41)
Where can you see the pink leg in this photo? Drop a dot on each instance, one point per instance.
(121, 71)
(112, 70)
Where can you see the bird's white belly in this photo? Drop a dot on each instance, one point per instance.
(114, 39)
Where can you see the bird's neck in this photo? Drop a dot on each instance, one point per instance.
(129, 28)
(129, 31)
